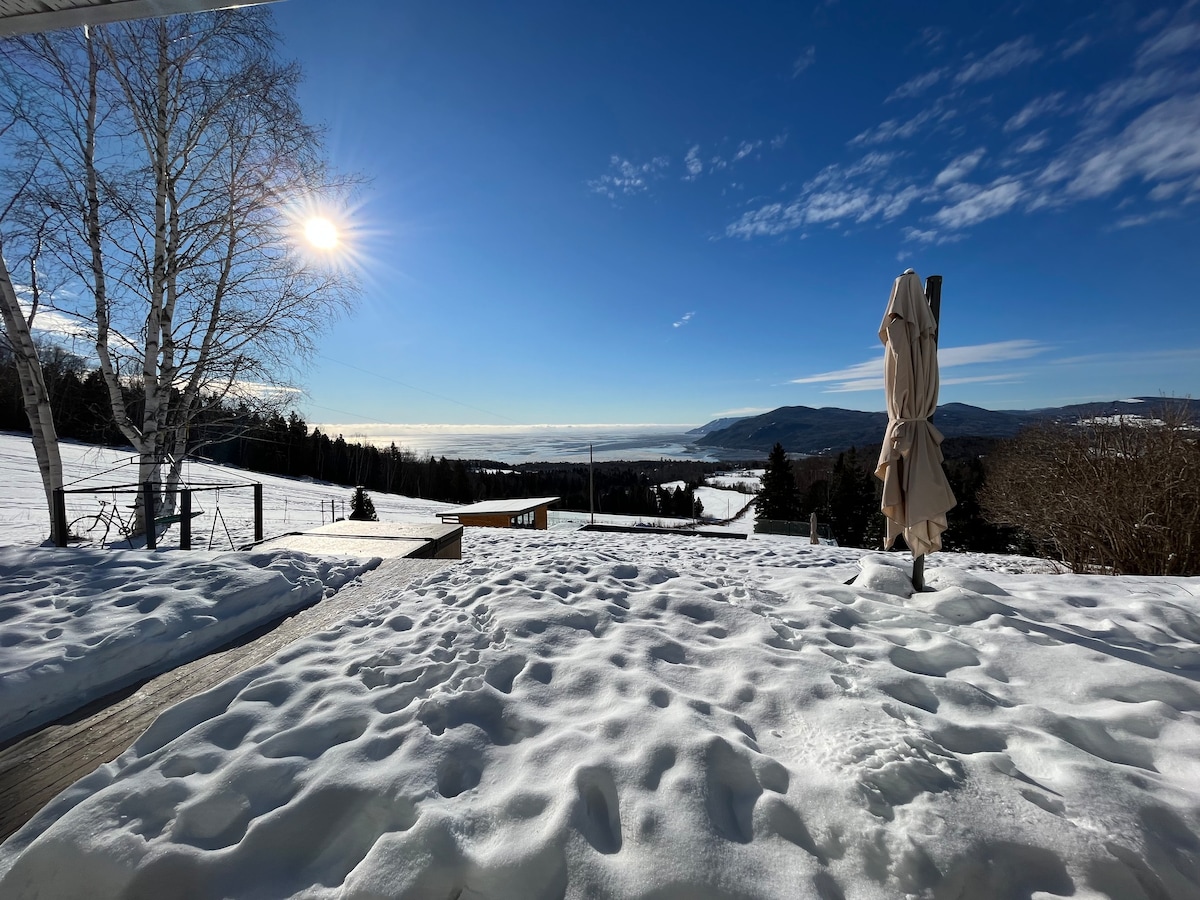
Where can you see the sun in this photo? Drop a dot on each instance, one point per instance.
(321, 233)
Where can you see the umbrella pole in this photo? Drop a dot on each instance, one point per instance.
(933, 293)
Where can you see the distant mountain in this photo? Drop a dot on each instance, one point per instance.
(716, 425)
(803, 429)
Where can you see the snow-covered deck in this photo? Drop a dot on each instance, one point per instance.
(34, 769)
(363, 540)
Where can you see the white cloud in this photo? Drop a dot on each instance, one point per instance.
(61, 325)
(742, 411)
(868, 376)
(835, 194)
(917, 85)
(920, 236)
(684, 319)
(772, 219)
(869, 369)
(745, 148)
(930, 38)
(894, 129)
(959, 169)
(1172, 41)
(1033, 143)
(254, 390)
(1160, 145)
(807, 57)
(1121, 96)
(1000, 61)
(626, 178)
(778, 141)
(1076, 47)
(859, 204)
(693, 164)
(997, 351)
(1033, 109)
(1136, 221)
(980, 205)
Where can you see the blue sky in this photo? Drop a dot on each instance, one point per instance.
(667, 212)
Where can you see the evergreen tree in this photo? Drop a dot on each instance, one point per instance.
(779, 498)
(853, 503)
(362, 509)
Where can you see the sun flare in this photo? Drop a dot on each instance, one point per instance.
(321, 233)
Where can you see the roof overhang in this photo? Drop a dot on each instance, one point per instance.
(29, 16)
(513, 507)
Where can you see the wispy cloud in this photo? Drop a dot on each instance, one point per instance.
(1000, 61)
(745, 148)
(917, 85)
(959, 169)
(1077, 46)
(896, 129)
(1160, 145)
(1136, 221)
(1175, 39)
(1033, 143)
(997, 351)
(868, 376)
(807, 57)
(49, 321)
(835, 195)
(693, 164)
(684, 319)
(980, 203)
(742, 411)
(928, 236)
(626, 178)
(1039, 106)
(931, 39)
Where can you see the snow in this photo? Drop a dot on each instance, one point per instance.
(76, 624)
(289, 504)
(574, 714)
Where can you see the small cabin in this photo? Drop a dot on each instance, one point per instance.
(531, 512)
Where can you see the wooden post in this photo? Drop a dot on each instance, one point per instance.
(812, 529)
(591, 485)
(258, 512)
(185, 519)
(60, 518)
(148, 509)
(933, 293)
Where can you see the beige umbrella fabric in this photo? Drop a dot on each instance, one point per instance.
(916, 494)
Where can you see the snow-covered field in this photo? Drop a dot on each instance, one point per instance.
(569, 714)
(289, 504)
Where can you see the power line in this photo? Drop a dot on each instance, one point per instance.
(412, 387)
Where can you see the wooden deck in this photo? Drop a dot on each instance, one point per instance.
(38, 766)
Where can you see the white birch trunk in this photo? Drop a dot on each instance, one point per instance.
(33, 393)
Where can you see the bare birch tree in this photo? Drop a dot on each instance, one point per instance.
(18, 330)
(175, 170)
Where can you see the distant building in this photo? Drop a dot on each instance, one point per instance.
(521, 513)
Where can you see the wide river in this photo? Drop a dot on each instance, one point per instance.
(545, 443)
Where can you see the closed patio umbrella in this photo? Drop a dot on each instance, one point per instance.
(916, 494)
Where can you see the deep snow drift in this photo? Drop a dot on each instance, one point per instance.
(604, 715)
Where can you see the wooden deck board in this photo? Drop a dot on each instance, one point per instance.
(37, 767)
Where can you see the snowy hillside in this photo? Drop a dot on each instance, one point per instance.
(569, 714)
(289, 504)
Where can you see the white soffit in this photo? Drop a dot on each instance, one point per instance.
(28, 16)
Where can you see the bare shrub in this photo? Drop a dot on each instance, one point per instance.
(1111, 494)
